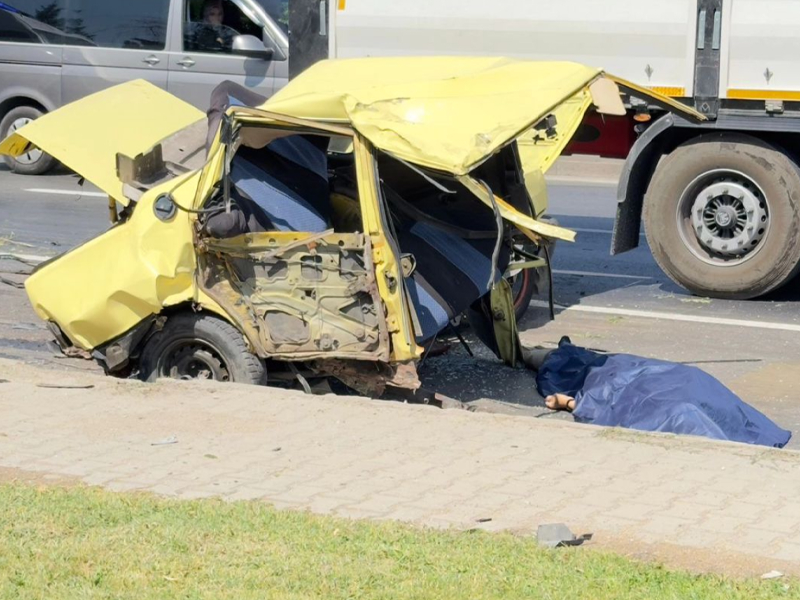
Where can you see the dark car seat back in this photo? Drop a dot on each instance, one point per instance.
(288, 182)
(451, 274)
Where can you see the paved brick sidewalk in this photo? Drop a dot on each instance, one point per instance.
(369, 459)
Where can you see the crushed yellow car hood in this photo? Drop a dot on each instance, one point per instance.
(88, 134)
(445, 113)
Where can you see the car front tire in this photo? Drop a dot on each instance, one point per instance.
(200, 346)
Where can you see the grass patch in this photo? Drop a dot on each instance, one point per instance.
(86, 543)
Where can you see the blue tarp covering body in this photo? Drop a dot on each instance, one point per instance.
(620, 390)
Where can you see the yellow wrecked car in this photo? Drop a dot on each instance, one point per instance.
(332, 231)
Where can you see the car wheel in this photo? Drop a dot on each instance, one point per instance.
(35, 162)
(722, 214)
(198, 346)
(523, 286)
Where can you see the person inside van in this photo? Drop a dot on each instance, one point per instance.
(211, 34)
(213, 12)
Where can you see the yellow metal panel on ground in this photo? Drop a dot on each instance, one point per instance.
(87, 135)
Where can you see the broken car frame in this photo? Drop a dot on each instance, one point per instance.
(156, 294)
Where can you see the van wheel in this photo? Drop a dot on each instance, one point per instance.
(196, 346)
(35, 162)
(722, 216)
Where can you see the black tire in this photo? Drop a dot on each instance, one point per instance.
(527, 283)
(524, 286)
(198, 346)
(684, 257)
(45, 162)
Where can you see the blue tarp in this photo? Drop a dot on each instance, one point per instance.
(621, 390)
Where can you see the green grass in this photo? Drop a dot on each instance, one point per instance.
(85, 543)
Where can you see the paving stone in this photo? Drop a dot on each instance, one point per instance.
(685, 509)
(779, 523)
(631, 511)
(719, 522)
(750, 536)
(668, 527)
(746, 511)
(362, 459)
(788, 551)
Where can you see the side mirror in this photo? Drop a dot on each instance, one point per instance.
(251, 47)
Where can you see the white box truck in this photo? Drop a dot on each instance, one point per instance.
(720, 201)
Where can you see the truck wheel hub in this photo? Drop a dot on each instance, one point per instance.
(729, 217)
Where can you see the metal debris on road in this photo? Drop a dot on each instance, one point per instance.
(12, 283)
(64, 386)
(772, 575)
(25, 259)
(558, 535)
(166, 441)
(73, 352)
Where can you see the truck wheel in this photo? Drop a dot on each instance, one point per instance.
(721, 216)
(35, 162)
(196, 346)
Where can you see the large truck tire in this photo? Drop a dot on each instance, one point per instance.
(722, 216)
(34, 162)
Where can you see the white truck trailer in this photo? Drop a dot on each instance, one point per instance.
(720, 201)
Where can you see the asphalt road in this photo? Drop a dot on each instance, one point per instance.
(618, 304)
(588, 275)
(53, 213)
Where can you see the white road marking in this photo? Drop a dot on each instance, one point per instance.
(591, 274)
(67, 192)
(590, 230)
(646, 314)
(580, 182)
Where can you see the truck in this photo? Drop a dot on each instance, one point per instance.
(719, 200)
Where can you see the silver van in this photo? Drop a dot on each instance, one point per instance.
(53, 52)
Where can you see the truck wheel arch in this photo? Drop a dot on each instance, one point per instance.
(635, 179)
(660, 139)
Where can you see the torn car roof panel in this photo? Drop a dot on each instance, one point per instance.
(444, 113)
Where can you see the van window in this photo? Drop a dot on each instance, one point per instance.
(138, 24)
(32, 21)
(278, 10)
(211, 25)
